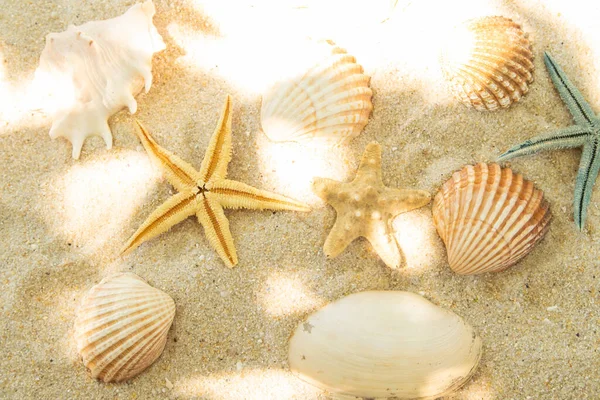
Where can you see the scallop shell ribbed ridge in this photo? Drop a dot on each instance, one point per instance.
(121, 327)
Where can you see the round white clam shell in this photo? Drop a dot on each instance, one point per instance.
(121, 327)
(385, 344)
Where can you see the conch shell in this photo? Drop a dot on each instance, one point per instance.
(489, 218)
(329, 103)
(488, 63)
(95, 69)
(384, 345)
(121, 327)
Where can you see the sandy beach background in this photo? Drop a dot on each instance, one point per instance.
(63, 221)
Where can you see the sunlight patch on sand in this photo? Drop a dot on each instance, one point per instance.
(245, 384)
(417, 236)
(17, 103)
(282, 296)
(96, 199)
(293, 166)
(251, 61)
(331, 19)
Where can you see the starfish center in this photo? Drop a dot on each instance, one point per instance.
(202, 188)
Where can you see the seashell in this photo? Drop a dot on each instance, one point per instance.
(488, 63)
(121, 327)
(384, 344)
(489, 218)
(329, 103)
(95, 69)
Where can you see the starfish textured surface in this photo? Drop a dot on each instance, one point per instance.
(366, 207)
(205, 193)
(585, 133)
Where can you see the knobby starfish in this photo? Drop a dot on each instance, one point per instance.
(365, 207)
(205, 193)
(585, 133)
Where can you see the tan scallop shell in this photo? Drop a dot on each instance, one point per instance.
(488, 63)
(489, 218)
(384, 344)
(121, 327)
(329, 103)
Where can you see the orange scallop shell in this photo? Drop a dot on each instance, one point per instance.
(489, 218)
(488, 63)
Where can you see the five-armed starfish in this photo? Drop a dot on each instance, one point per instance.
(585, 132)
(366, 207)
(205, 192)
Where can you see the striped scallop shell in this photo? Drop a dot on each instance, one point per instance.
(121, 327)
(489, 218)
(488, 63)
(329, 103)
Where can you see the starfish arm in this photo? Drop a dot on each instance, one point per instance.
(340, 236)
(179, 173)
(573, 136)
(384, 242)
(171, 212)
(586, 177)
(234, 194)
(324, 188)
(398, 201)
(218, 152)
(216, 228)
(579, 108)
(370, 164)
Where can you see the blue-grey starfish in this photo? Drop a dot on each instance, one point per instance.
(585, 133)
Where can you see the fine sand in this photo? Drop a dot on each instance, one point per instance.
(63, 221)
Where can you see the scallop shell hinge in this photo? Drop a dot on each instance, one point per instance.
(488, 63)
(329, 103)
(489, 218)
(385, 345)
(93, 70)
(121, 327)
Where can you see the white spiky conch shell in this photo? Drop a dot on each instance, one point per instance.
(488, 63)
(489, 218)
(93, 70)
(328, 104)
(121, 327)
(384, 344)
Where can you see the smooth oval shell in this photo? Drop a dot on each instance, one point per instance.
(488, 63)
(329, 103)
(489, 218)
(121, 327)
(384, 344)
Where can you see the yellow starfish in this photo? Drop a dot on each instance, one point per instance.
(365, 207)
(205, 192)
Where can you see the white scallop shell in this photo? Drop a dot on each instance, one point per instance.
(488, 63)
(121, 327)
(329, 103)
(385, 344)
(95, 69)
(489, 218)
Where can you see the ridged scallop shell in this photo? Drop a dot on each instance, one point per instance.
(329, 103)
(121, 327)
(489, 218)
(95, 69)
(488, 63)
(384, 344)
